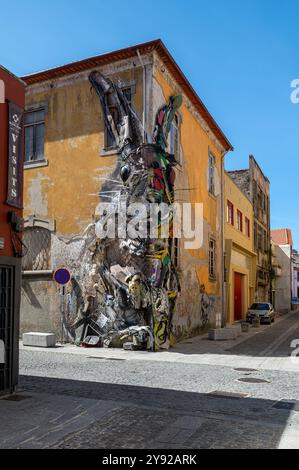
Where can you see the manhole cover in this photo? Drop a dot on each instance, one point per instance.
(253, 380)
(17, 397)
(106, 358)
(245, 369)
(223, 394)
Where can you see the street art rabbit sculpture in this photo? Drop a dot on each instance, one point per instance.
(132, 281)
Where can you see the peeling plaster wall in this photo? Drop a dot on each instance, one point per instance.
(39, 306)
(41, 301)
(37, 202)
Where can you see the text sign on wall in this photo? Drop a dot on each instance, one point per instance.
(14, 190)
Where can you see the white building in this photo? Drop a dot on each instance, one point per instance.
(283, 247)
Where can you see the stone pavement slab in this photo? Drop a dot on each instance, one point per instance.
(45, 418)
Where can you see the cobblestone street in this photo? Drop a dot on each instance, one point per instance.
(201, 394)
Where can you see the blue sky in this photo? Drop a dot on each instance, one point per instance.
(240, 57)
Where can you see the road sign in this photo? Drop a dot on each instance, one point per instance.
(62, 276)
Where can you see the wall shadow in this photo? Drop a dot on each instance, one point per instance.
(227, 421)
(254, 345)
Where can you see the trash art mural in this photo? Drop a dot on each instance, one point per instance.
(205, 306)
(126, 292)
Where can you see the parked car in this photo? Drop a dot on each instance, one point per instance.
(262, 310)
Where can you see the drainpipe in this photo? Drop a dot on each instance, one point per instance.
(143, 95)
(223, 284)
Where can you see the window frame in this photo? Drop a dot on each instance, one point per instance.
(211, 173)
(124, 87)
(231, 206)
(34, 125)
(239, 220)
(247, 227)
(260, 238)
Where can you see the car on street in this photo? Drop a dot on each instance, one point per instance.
(263, 311)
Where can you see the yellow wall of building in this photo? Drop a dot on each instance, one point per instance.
(242, 203)
(240, 256)
(195, 147)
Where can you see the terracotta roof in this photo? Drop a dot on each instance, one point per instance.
(156, 45)
(282, 236)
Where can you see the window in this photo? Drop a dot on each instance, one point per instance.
(212, 259)
(247, 227)
(230, 213)
(298, 277)
(211, 174)
(255, 236)
(127, 92)
(34, 135)
(265, 241)
(260, 238)
(109, 139)
(260, 198)
(239, 221)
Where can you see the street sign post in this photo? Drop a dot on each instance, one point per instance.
(62, 277)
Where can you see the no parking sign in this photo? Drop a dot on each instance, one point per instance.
(62, 276)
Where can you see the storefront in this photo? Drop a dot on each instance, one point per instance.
(12, 101)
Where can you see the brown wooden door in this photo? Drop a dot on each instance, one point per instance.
(238, 310)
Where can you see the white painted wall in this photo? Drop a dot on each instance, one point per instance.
(283, 283)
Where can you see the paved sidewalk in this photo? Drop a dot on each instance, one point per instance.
(201, 350)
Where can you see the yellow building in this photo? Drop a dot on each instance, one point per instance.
(70, 161)
(239, 250)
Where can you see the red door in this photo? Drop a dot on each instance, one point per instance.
(238, 297)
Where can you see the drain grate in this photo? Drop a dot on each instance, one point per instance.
(291, 405)
(106, 358)
(17, 397)
(223, 394)
(245, 369)
(253, 380)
